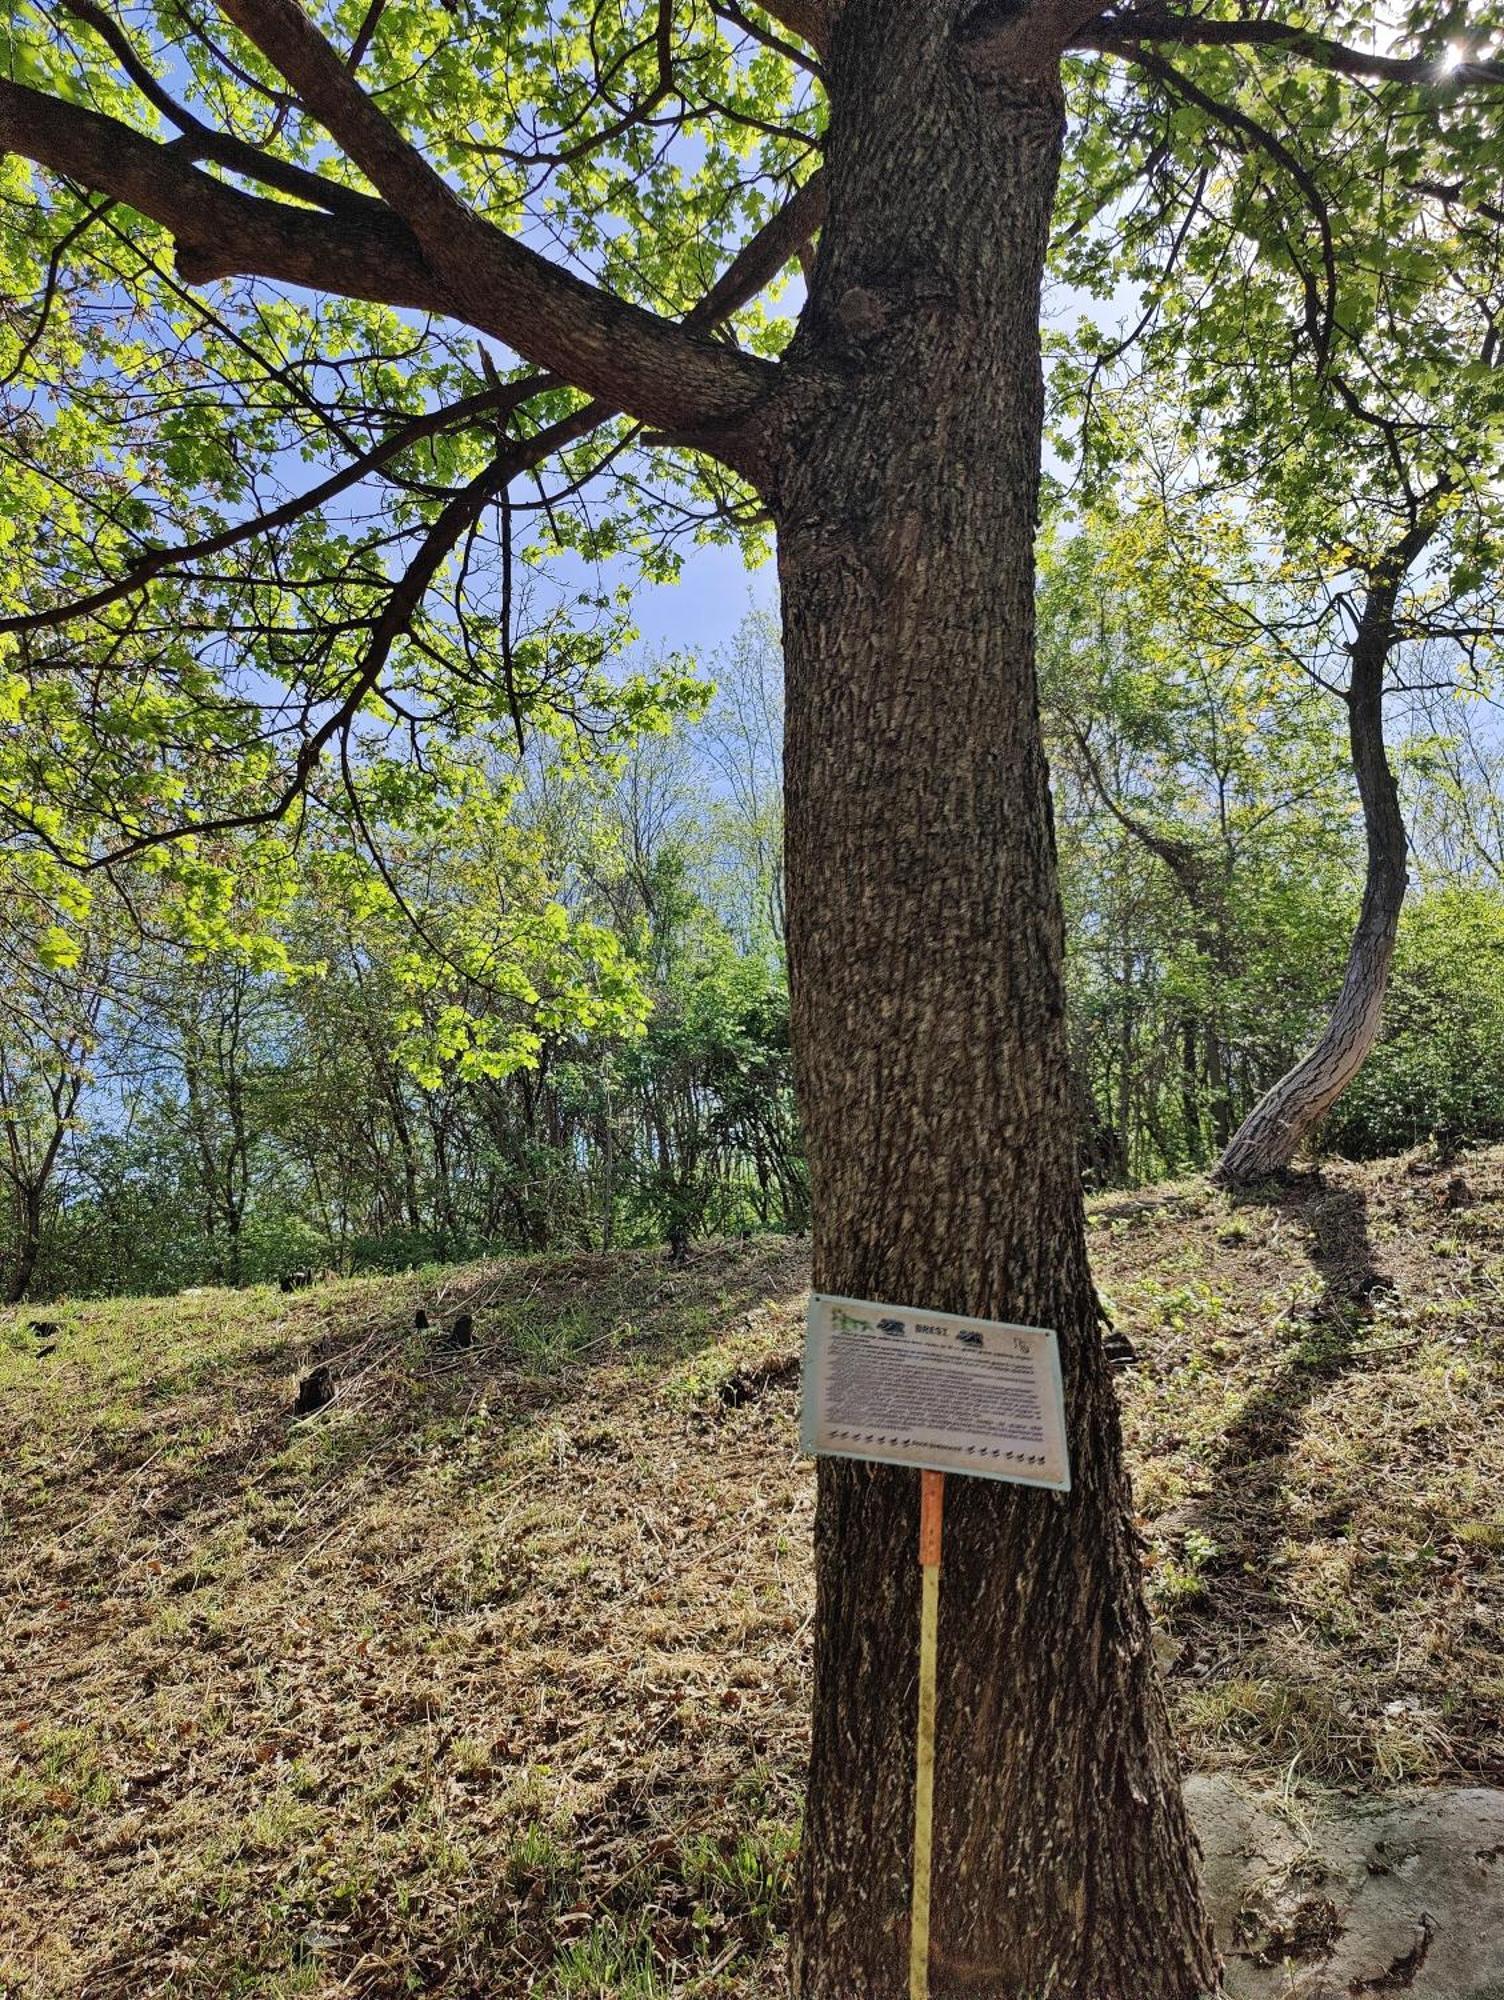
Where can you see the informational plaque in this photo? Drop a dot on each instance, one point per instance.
(911, 1387)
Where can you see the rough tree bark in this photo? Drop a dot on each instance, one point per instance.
(1269, 1137)
(926, 950)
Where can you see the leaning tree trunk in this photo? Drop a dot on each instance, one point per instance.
(926, 951)
(1268, 1138)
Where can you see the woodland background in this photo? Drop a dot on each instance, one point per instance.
(555, 1016)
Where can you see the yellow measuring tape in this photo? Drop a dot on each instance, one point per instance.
(931, 1492)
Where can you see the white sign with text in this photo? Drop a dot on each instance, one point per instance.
(911, 1387)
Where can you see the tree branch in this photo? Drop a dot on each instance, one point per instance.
(1002, 38)
(810, 20)
(1181, 858)
(490, 402)
(1452, 193)
(221, 147)
(365, 253)
(614, 350)
(396, 614)
(757, 263)
(1321, 311)
(218, 231)
(1126, 31)
(395, 617)
(736, 16)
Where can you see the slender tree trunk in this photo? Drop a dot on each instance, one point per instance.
(391, 1090)
(608, 1175)
(926, 948)
(28, 1247)
(1126, 1122)
(444, 1182)
(1190, 1103)
(208, 1176)
(1216, 1086)
(1268, 1138)
(30, 1180)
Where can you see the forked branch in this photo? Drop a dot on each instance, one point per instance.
(219, 231)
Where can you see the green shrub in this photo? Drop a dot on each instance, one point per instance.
(1438, 1068)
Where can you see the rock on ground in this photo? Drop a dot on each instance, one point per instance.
(1393, 1897)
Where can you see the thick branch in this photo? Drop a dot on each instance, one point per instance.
(759, 261)
(1002, 38)
(218, 230)
(755, 266)
(810, 20)
(555, 320)
(221, 232)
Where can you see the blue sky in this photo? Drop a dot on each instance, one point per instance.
(702, 611)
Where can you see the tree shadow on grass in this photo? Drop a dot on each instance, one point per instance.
(1273, 1418)
(1242, 1513)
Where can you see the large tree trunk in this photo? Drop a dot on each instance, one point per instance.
(1268, 1138)
(926, 954)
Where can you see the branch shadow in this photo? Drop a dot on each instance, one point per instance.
(1241, 1513)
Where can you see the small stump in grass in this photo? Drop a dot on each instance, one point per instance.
(314, 1391)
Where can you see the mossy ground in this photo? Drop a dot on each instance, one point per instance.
(491, 1677)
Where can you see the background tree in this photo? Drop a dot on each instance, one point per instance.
(1205, 836)
(49, 1026)
(1373, 476)
(477, 1031)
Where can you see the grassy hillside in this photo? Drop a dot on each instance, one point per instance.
(490, 1677)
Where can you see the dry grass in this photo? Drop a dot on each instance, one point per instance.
(1317, 1429)
(490, 1679)
(488, 1675)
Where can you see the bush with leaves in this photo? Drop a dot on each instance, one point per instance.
(1438, 1068)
